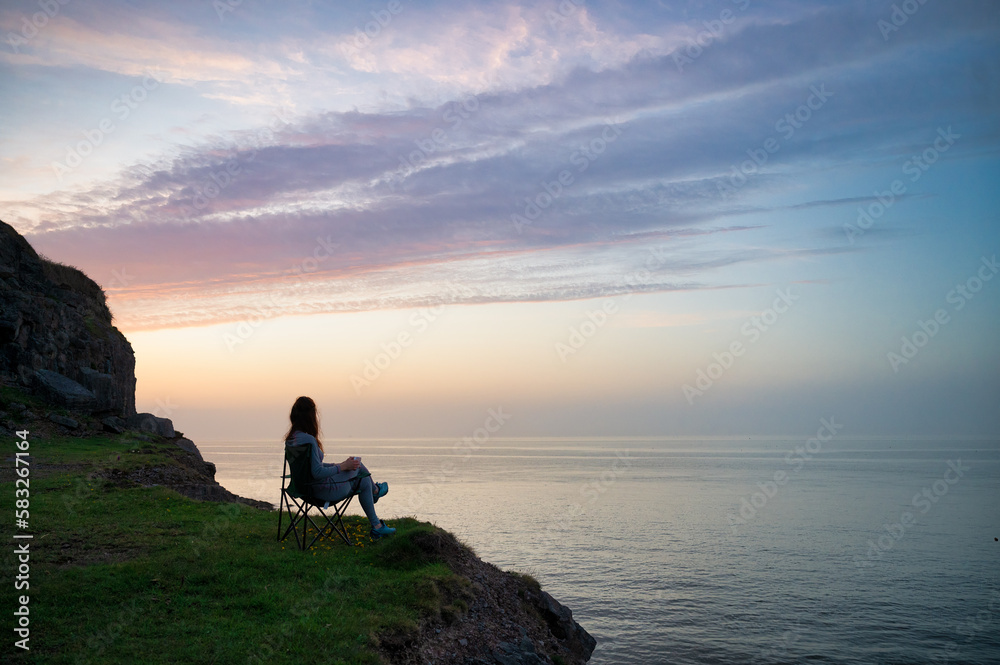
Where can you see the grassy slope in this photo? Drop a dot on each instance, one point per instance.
(144, 575)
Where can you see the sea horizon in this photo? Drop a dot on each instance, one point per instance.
(625, 541)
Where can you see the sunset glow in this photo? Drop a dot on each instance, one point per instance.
(697, 218)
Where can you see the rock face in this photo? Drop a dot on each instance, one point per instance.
(561, 623)
(56, 336)
(509, 620)
(147, 422)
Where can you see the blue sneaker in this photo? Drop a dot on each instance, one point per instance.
(381, 530)
(381, 489)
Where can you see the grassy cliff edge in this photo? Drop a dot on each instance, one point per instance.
(126, 572)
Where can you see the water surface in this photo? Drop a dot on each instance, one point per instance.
(682, 551)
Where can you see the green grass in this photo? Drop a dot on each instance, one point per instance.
(144, 575)
(9, 395)
(74, 279)
(92, 326)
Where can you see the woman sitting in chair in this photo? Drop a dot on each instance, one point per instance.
(333, 482)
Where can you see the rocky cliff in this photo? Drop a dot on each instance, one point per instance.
(56, 334)
(508, 620)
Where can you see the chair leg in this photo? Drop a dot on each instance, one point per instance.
(342, 530)
(320, 532)
(335, 523)
(301, 516)
(296, 518)
(281, 511)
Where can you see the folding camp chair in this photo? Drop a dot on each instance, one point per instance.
(296, 501)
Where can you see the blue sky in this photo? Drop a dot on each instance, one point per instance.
(237, 178)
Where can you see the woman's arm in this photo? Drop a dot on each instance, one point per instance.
(321, 469)
(318, 468)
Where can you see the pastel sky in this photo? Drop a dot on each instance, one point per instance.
(627, 218)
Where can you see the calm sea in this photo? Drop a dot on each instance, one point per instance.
(674, 550)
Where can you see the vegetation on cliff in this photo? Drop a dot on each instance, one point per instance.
(124, 571)
(56, 333)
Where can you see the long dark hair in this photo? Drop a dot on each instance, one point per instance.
(304, 419)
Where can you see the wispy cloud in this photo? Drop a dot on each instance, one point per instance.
(523, 45)
(426, 195)
(133, 46)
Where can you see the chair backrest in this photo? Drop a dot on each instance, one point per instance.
(299, 459)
